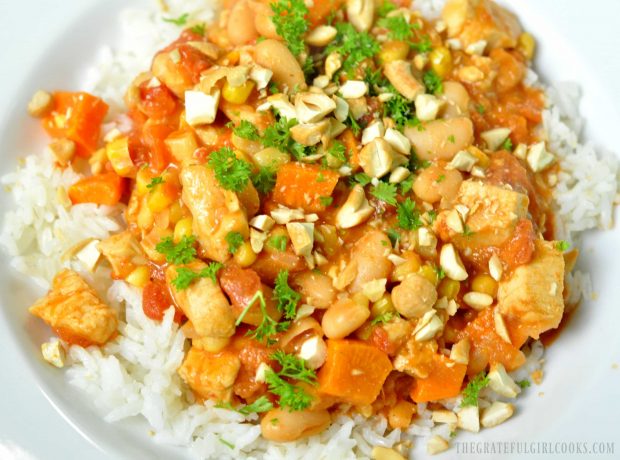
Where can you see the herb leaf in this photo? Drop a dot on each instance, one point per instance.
(268, 326)
(186, 276)
(433, 82)
(385, 192)
(353, 46)
(473, 388)
(383, 318)
(180, 21)
(398, 27)
(155, 181)
(278, 242)
(290, 22)
(178, 254)
(291, 396)
(562, 246)
(247, 130)
(286, 297)
(264, 180)
(234, 240)
(262, 404)
(231, 172)
(294, 367)
(337, 150)
(408, 216)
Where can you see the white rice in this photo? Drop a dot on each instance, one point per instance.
(135, 374)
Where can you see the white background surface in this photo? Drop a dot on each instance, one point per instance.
(585, 41)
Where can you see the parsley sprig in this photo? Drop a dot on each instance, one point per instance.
(291, 396)
(286, 298)
(290, 22)
(186, 276)
(178, 254)
(294, 367)
(408, 216)
(433, 82)
(246, 130)
(268, 326)
(234, 240)
(262, 404)
(180, 21)
(384, 192)
(473, 389)
(353, 46)
(155, 181)
(231, 172)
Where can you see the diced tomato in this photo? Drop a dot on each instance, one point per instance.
(67, 336)
(156, 300)
(156, 102)
(77, 116)
(154, 135)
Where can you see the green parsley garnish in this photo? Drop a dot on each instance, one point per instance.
(433, 82)
(186, 276)
(247, 130)
(264, 180)
(337, 150)
(178, 254)
(399, 109)
(385, 8)
(290, 21)
(406, 185)
(262, 404)
(473, 388)
(507, 145)
(268, 326)
(451, 139)
(285, 296)
(480, 109)
(352, 123)
(525, 383)
(278, 242)
(291, 396)
(234, 240)
(294, 367)
(278, 135)
(273, 88)
(326, 200)
(199, 29)
(432, 215)
(361, 178)
(408, 216)
(441, 274)
(230, 445)
(231, 172)
(440, 179)
(394, 236)
(180, 21)
(385, 192)
(467, 231)
(383, 318)
(562, 246)
(353, 46)
(155, 181)
(398, 27)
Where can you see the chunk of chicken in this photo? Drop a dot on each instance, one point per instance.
(204, 303)
(368, 259)
(533, 294)
(75, 312)
(473, 20)
(124, 253)
(216, 211)
(492, 214)
(210, 375)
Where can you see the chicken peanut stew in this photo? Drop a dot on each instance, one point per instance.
(347, 206)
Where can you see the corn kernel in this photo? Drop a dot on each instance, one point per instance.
(449, 288)
(183, 228)
(139, 276)
(382, 306)
(176, 212)
(237, 94)
(441, 61)
(245, 256)
(429, 273)
(527, 45)
(117, 152)
(393, 51)
(143, 179)
(484, 284)
(159, 200)
(411, 265)
(145, 218)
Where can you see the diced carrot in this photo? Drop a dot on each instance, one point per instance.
(321, 9)
(77, 116)
(352, 146)
(444, 381)
(302, 186)
(353, 371)
(106, 188)
(487, 347)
